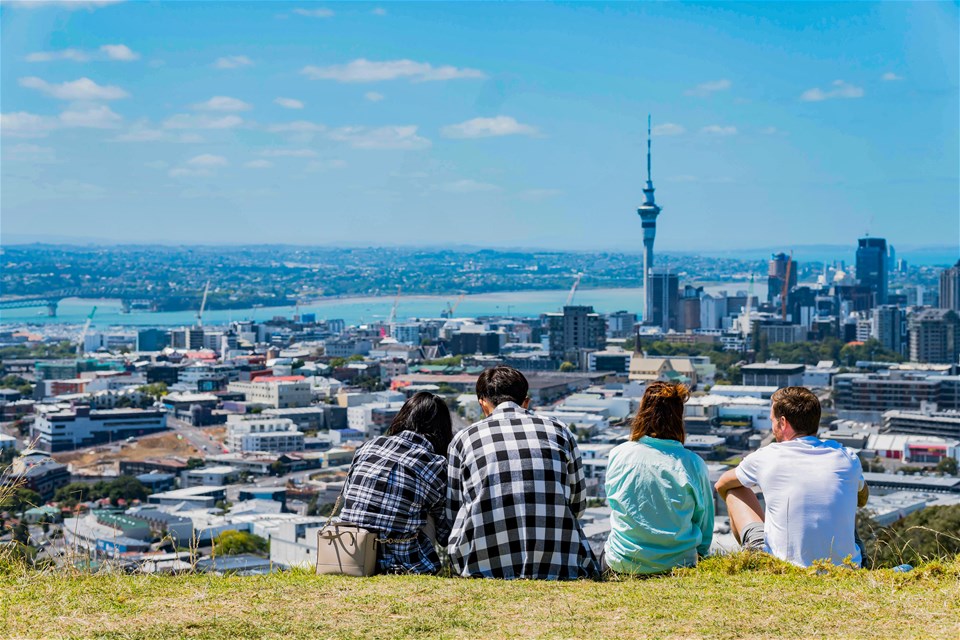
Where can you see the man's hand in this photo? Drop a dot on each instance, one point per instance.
(727, 481)
(863, 495)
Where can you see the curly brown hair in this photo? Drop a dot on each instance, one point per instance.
(661, 412)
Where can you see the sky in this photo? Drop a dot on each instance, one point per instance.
(488, 124)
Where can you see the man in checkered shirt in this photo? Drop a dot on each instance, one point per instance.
(516, 490)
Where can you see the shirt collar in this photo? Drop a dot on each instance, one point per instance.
(414, 437)
(508, 407)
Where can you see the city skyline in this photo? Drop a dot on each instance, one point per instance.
(274, 121)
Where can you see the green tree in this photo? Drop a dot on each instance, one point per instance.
(336, 363)
(355, 358)
(19, 499)
(567, 366)
(155, 390)
(231, 543)
(947, 466)
(195, 463)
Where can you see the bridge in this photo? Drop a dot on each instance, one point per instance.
(127, 299)
(50, 302)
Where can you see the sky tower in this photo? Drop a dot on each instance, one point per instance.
(648, 213)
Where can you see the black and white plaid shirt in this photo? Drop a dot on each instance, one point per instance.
(515, 493)
(395, 482)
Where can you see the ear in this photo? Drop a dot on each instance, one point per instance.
(526, 403)
(485, 406)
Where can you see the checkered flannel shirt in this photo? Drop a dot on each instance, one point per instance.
(515, 493)
(394, 483)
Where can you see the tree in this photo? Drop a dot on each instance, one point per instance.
(947, 466)
(355, 358)
(21, 534)
(567, 366)
(195, 463)
(155, 390)
(277, 468)
(19, 499)
(336, 363)
(230, 543)
(929, 534)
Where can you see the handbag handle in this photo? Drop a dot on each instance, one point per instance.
(339, 503)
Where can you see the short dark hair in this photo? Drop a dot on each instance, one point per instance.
(427, 415)
(800, 407)
(661, 412)
(502, 384)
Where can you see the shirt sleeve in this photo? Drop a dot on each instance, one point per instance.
(438, 510)
(705, 519)
(576, 480)
(748, 470)
(454, 488)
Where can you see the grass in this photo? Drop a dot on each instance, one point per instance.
(737, 596)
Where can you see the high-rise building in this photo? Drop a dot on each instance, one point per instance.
(782, 268)
(950, 288)
(664, 300)
(688, 310)
(889, 327)
(620, 324)
(578, 327)
(872, 267)
(648, 213)
(935, 336)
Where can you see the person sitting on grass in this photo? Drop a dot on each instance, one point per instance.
(659, 493)
(812, 488)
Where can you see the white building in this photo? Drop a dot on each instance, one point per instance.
(217, 476)
(263, 433)
(294, 544)
(57, 429)
(279, 393)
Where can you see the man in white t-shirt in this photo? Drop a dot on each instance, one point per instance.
(811, 487)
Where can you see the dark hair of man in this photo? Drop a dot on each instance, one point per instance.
(800, 407)
(661, 412)
(502, 384)
(427, 415)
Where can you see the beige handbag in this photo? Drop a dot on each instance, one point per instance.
(344, 548)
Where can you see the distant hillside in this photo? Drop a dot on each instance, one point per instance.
(739, 596)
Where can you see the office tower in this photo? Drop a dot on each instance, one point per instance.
(872, 267)
(688, 311)
(935, 336)
(781, 269)
(648, 213)
(664, 300)
(578, 327)
(950, 288)
(889, 327)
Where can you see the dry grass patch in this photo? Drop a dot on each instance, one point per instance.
(736, 597)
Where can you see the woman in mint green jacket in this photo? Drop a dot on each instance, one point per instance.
(659, 492)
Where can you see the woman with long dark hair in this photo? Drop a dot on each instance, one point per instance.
(398, 482)
(659, 493)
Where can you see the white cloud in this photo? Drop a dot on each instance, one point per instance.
(540, 194)
(362, 70)
(719, 130)
(288, 153)
(184, 172)
(120, 52)
(93, 117)
(709, 88)
(207, 160)
(314, 13)
(232, 62)
(379, 11)
(21, 124)
(222, 103)
(80, 90)
(395, 137)
(891, 77)
(325, 165)
(258, 164)
(487, 128)
(468, 186)
(74, 55)
(840, 89)
(192, 121)
(143, 132)
(770, 131)
(289, 103)
(30, 153)
(668, 129)
(373, 96)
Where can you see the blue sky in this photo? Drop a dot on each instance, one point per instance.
(480, 123)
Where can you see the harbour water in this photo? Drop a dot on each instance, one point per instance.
(359, 310)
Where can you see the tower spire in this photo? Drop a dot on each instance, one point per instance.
(649, 175)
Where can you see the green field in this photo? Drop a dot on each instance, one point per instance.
(739, 596)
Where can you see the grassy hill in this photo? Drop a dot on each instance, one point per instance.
(738, 596)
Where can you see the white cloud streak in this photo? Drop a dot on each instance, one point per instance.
(488, 128)
(207, 160)
(314, 13)
(194, 121)
(719, 130)
(709, 88)
(120, 52)
(362, 70)
(373, 96)
(289, 103)
(392, 137)
(232, 62)
(668, 129)
(840, 89)
(222, 103)
(81, 90)
(891, 77)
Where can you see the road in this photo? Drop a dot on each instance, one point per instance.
(196, 436)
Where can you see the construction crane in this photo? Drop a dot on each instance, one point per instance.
(573, 289)
(452, 308)
(203, 303)
(786, 288)
(83, 333)
(396, 302)
(745, 324)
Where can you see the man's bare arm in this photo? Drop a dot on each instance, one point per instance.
(727, 481)
(863, 495)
